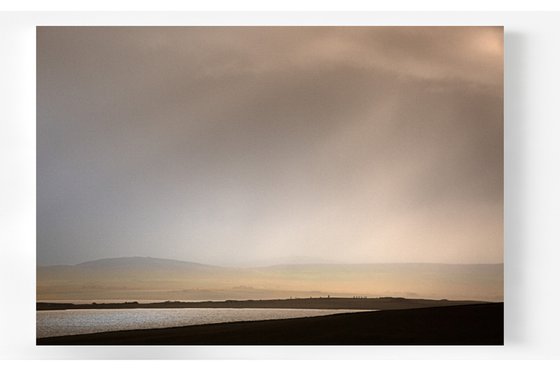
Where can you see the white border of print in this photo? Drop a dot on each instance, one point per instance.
(532, 182)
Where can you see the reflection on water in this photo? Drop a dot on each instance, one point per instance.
(71, 322)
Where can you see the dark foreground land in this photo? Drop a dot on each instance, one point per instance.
(377, 303)
(478, 324)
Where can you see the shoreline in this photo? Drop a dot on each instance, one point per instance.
(379, 303)
(475, 324)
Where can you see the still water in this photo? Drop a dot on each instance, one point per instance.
(72, 322)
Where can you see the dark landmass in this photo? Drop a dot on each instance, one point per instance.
(380, 303)
(479, 324)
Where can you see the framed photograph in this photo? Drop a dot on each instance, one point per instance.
(270, 185)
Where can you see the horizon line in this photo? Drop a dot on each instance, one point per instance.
(271, 265)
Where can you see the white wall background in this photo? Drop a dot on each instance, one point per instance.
(532, 184)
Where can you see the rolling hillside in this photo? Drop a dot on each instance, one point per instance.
(144, 278)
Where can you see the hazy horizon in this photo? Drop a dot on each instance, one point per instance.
(226, 145)
(292, 260)
(144, 278)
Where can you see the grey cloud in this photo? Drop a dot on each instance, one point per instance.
(229, 144)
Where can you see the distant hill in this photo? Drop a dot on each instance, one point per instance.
(146, 278)
(141, 263)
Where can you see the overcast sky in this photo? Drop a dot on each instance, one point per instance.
(235, 145)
